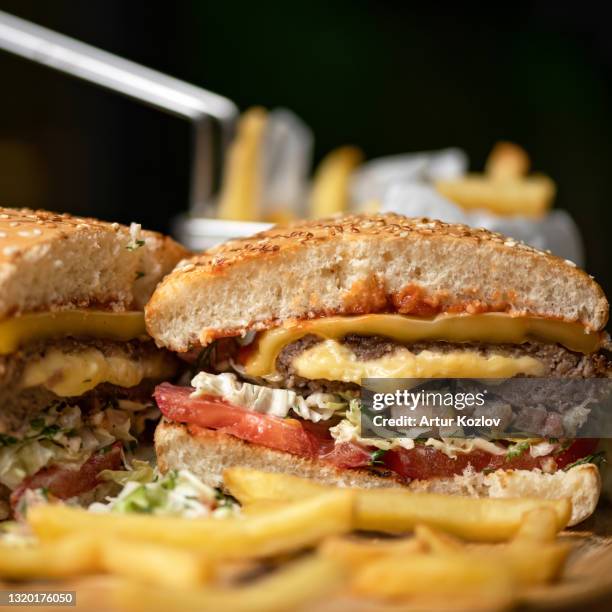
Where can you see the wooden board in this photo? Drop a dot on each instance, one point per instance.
(587, 580)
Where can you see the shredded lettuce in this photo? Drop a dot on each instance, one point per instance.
(63, 435)
(349, 430)
(266, 400)
(141, 472)
(177, 493)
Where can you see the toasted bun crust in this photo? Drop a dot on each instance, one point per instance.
(208, 453)
(50, 261)
(360, 264)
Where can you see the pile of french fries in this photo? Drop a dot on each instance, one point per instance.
(297, 544)
(505, 188)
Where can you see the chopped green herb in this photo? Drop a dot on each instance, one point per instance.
(516, 450)
(135, 245)
(139, 274)
(598, 459)
(49, 431)
(37, 423)
(224, 499)
(6, 440)
(375, 457)
(85, 380)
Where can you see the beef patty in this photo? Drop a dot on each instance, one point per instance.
(558, 361)
(18, 406)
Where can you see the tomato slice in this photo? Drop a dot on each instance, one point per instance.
(290, 435)
(176, 404)
(308, 439)
(424, 462)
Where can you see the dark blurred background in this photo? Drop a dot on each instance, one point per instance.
(388, 76)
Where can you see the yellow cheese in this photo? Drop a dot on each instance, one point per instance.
(121, 326)
(495, 328)
(332, 360)
(72, 374)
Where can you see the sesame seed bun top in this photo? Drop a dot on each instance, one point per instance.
(358, 264)
(54, 261)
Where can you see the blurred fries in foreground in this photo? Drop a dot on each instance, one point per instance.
(396, 510)
(162, 563)
(297, 584)
(283, 529)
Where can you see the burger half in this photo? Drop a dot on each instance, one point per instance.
(281, 328)
(77, 368)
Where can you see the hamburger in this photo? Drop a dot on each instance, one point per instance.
(281, 328)
(77, 368)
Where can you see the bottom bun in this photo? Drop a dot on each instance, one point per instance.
(207, 453)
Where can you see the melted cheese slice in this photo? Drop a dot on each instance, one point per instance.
(121, 326)
(332, 360)
(494, 328)
(72, 374)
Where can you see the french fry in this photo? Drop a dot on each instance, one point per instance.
(76, 554)
(532, 564)
(530, 561)
(356, 552)
(249, 486)
(292, 587)
(159, 565)
(480, 520)
(436, 541)
(287, 528)
(396, 510)
(453, 574)
(507, 161)
(330, 188)
(538, 525)
(533, 554)
(531, 196)
(241, 188)
(260, 507)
